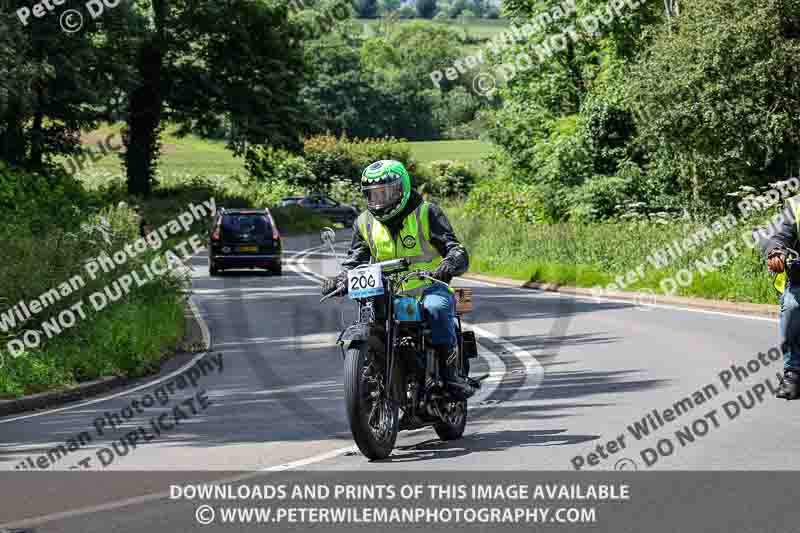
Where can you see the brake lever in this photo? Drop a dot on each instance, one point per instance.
(338, 292)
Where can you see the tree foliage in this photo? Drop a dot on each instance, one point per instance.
(426, 9)
(380, 85)
(650, 110)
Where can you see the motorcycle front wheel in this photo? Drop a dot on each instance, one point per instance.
(374, 419)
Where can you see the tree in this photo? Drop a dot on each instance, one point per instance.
(478, 7)
(399, 63)
(366, 9)
(53, 84)
(205, 59)
(721, 93)
(338, 95)
(252, 70)
(456, 8)
(427, 8)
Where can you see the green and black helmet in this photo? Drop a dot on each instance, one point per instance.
(387, 186)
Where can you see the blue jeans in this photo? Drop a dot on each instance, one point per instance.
(790, 328)
(440, 306)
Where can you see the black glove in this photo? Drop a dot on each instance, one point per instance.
(444, 272)
(333, 284)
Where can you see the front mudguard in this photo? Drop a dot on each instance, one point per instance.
(374, 336)
(358, 334)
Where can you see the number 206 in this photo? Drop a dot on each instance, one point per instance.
(362, 282)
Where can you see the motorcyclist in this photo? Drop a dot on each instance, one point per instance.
(399, 223)
(787, 282)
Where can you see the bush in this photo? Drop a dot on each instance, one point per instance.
(271, 192)
(52, 196)
(347, 192)
(448, 179)
(407, 12)
(506, 200)
(127, 338)
(333, 158)
(268, 164)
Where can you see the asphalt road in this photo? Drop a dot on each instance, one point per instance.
(570, 377)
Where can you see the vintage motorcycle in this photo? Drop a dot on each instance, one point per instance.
(392, 378)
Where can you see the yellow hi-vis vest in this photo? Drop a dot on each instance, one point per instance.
(780, 279)
(412, 243)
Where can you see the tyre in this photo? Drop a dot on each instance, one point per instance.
(452, 427)
(374, 423)
(213, 270)
(277, 270)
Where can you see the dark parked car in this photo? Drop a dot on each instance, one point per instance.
(244, 238)
(325, 206)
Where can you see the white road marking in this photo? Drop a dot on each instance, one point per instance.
(534, 373)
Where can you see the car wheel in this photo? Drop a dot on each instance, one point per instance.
(277, 271)
(213, 270)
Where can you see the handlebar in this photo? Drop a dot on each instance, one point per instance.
(422, 275)
(390, 267)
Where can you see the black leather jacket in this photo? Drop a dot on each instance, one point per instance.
(443, 238)
(782, 234)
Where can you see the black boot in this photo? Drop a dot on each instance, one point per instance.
(455, 383)
(789, 388)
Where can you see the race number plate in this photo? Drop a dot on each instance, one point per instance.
(364, 282)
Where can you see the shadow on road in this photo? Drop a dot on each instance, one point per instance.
(495, 441)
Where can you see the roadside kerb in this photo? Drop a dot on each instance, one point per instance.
(766, 310)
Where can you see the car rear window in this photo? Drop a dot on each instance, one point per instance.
(245, 224)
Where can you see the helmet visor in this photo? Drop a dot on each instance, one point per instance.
(383, 196)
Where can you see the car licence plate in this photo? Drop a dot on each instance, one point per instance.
(248, 248)
(364, 282)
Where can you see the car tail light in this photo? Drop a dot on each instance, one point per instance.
(215, 235)
(276, 236)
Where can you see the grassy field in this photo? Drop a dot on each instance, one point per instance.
(426, 151)
(195, 156)
(475, 28)
(186, 155)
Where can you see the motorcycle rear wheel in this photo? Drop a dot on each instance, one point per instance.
(455, 422)
(374, 421)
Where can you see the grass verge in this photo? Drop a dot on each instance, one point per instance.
(584, 255)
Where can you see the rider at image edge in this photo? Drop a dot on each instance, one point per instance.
(780, 250)
(398, 223)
